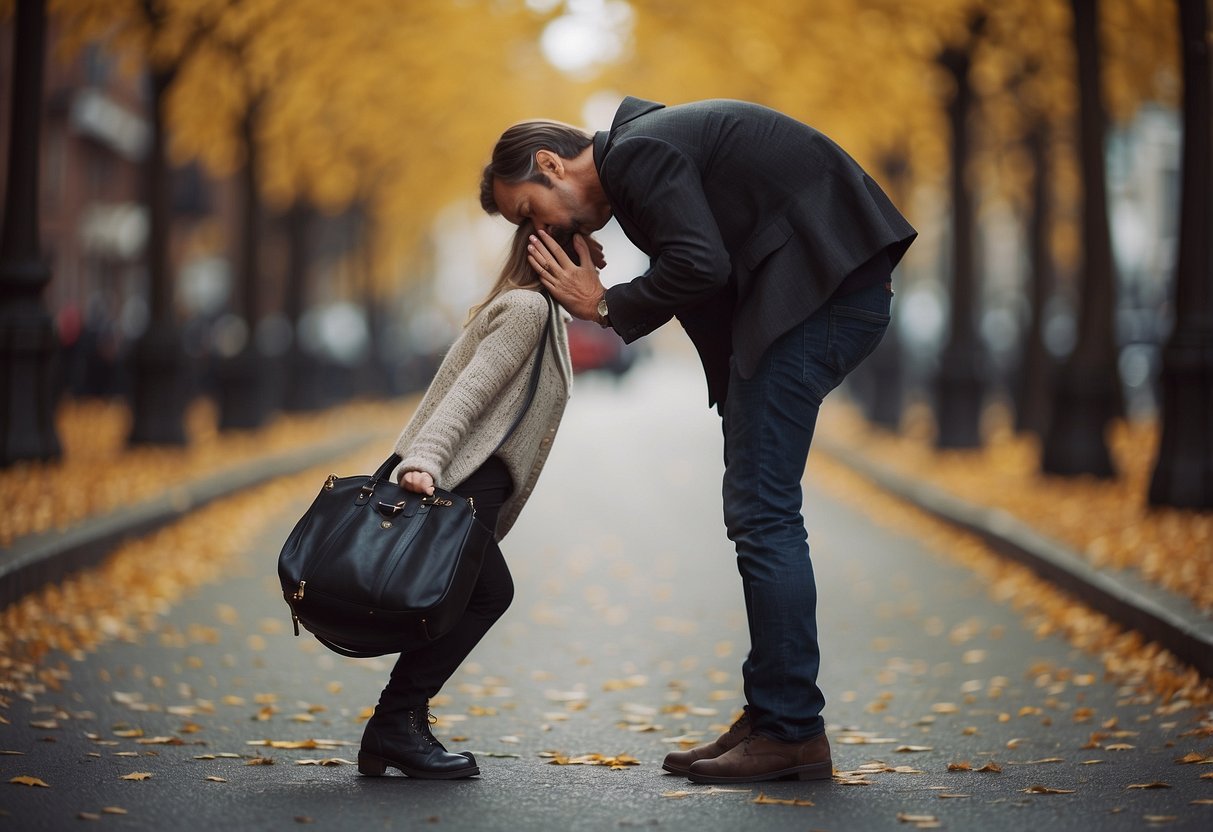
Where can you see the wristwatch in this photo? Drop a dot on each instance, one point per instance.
(604, 319)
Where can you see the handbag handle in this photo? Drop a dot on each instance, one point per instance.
(392, 461)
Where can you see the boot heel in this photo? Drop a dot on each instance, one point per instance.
(815, 773)
(370, 765)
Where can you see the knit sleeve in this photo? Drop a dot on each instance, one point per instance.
(510, 332)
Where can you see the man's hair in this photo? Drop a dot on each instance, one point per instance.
(514, 155)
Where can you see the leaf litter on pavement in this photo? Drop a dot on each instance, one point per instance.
(1156, 680)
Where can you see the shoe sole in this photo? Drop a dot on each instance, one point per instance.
(372, 766)
(683, 772)
(814, 771)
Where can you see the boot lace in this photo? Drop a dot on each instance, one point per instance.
(422, 726)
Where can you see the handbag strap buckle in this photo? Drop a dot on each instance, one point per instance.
(365, 492)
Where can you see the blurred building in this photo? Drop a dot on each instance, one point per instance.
(93, 225)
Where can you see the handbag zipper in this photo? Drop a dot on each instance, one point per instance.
(298, 596)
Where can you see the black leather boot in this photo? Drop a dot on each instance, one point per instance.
(402, 739)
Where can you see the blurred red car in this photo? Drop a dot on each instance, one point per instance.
(593, 348)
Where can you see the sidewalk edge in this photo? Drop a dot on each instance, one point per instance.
(33, 561)
(1161, 616)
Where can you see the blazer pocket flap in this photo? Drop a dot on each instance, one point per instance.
(765, 241)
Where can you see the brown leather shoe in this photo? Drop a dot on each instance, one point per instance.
(758, 758)
(679, 762)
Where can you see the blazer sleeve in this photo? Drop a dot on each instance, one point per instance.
(660, 190)
(510, 336)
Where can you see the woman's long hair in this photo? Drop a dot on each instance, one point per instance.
(516, 273)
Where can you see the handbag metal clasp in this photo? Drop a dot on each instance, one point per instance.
(435, 500)
(391, 509)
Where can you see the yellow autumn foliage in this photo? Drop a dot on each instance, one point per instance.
(394, 106)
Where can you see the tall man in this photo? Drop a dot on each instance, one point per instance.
(774, 250)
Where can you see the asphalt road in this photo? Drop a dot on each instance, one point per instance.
(626, 635)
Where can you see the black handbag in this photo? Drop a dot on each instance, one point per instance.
(372, 568)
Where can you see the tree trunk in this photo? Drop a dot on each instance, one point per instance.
(1183, 473)
(243, 388)
(1036, 365)
(27, 336)
(883, 372)
(160, 385)
(960, 386)
(1088, 390)
(301, 391)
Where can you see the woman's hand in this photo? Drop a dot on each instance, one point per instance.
(419, 482)
(596, 254)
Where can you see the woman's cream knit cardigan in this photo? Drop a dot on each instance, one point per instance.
(479, 389)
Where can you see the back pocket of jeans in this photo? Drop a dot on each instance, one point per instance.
(854, 334)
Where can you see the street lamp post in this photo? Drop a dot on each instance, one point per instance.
(27, 336)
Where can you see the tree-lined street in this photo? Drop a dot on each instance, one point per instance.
(625, 637)
(239, 235)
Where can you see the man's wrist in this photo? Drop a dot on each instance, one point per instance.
(602, 315)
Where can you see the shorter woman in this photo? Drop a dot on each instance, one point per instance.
(475, 396)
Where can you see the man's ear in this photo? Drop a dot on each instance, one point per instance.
(550, 163)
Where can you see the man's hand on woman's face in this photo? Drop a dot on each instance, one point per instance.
(577, 288)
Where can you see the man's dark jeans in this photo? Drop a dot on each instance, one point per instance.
(768, 425)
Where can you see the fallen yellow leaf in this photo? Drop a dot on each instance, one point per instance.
(26, 780)
(137, 775)
(327, 761)
(1045, 790)
(1157, 784)
(993, 768)
(614, 763)
(963, 765)
(780, 801)
(215, 779)
(297, 744)
(1193, 757)
(113, 810)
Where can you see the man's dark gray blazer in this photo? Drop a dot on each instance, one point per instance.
(750, 218)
